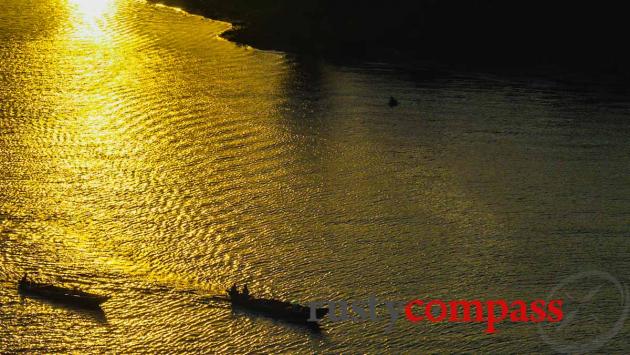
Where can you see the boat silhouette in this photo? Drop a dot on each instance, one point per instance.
(287, 311)
(69, 296)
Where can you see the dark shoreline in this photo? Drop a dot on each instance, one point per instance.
(483, 38)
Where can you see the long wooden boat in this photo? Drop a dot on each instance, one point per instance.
(292, 312)
(74, 296)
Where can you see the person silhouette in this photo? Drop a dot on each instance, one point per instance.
(245, 292)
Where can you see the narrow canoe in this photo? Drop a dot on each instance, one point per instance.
(71, 296)
(278, 309)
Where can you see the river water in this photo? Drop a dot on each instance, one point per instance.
(144, 157)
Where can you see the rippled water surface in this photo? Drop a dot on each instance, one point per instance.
(144, 157)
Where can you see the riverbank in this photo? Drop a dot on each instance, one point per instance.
(519, 36)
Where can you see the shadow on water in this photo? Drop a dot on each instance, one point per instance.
(95, 314)
(312, 328)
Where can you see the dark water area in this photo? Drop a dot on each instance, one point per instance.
(145, 157)
(585, 37)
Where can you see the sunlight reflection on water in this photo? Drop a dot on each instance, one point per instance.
(143, 157)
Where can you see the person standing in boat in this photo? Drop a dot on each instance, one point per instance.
(233, 291)
(245, 292)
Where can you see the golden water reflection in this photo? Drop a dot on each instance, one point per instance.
(131, 136)
(90, 17)
(142, 157)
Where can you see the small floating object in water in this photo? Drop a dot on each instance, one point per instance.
(70, 296)
(392, 102)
